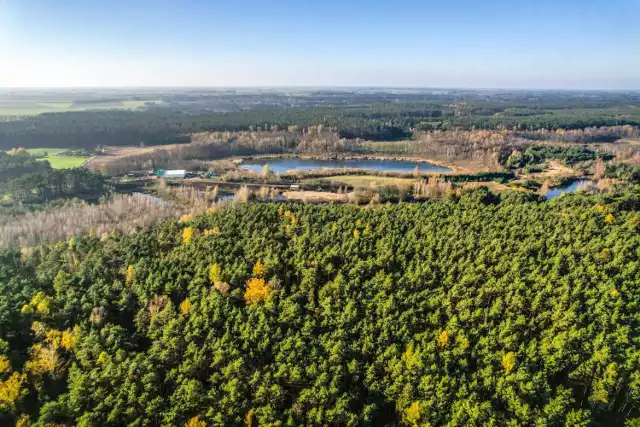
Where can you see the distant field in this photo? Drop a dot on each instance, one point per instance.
(20, 108)
(57, 161)
(369, 180)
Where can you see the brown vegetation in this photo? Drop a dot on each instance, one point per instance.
(121, 214)
(315, 196)
(432, 188)
(476, 148)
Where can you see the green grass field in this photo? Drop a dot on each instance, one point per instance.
(57, 161)
(369, 180)
(31, 108)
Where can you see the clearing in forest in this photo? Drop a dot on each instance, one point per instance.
(55, 159)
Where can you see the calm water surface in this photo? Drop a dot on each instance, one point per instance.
(284, 165)
(574, 186)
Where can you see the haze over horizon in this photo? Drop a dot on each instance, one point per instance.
(460, 44)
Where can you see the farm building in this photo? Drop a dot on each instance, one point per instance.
(173, 174)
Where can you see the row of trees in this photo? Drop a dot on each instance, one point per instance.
(479, 310)
(18, 162)
(535, 155)
(52, 184)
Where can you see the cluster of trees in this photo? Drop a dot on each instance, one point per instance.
(534, 155)
(52, 184)
(501, 177)
(25, 179)
(18, 162)
(584, 136)
(479, 310)
(623, 171)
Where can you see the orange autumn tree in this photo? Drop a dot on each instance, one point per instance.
(195, 422)
(185, 306)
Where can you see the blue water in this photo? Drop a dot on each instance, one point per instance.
(285, 165)
(555, 192)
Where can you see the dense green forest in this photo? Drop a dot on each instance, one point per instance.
(17, 163)
(52, 184)
(623, 171)
(481, 309)
(382, 115)
(24, 179)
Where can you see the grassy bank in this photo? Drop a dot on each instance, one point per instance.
(368, 180)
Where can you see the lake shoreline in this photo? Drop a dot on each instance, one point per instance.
(353, 156)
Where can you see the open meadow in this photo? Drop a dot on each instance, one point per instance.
(56, 160)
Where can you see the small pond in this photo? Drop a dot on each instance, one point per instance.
(574, 186)
(282, 165)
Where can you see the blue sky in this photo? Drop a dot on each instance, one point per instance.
(571, 44)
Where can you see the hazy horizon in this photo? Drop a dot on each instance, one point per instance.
(308, 87)
(497, 44)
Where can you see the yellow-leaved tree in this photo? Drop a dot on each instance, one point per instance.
(257, 290)
(11, 391)
(131, 274)
(215, 277)
(509, 362)
(214, 274)
(411, 415)
(5, 365)
(443, 339)
(258, 269)
(68, 340)
(185, 306)
(23, 421)
(187, 235)
(40, 303)
(249, 420)
(44, 360)
(195, 422)
(65, 339)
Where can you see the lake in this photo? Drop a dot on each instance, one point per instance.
(574, 186)
(282, 165)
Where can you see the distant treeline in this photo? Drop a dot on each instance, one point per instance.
(379, 121)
